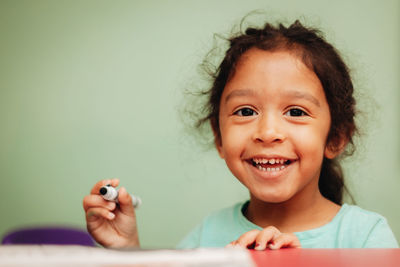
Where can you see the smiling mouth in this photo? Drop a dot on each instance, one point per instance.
(270, 165)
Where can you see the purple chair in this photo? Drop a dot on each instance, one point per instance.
(54, 235)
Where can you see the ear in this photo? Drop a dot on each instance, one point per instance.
(218, 145)
(220, 150)
(333, 150)
(218, 141)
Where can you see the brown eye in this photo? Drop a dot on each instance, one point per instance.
(245, 112)
(295, 112)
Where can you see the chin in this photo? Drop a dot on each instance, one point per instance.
(272, 198)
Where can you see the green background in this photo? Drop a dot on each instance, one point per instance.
(92, 90)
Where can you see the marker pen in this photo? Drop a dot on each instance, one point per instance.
(111, 194)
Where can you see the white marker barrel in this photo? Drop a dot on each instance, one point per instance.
(111, 194)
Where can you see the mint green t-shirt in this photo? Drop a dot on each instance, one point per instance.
(352, 227)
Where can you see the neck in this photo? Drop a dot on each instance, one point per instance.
(294, 215)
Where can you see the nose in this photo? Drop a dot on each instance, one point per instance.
(269, 129)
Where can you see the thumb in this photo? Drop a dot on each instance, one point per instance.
(125, 202)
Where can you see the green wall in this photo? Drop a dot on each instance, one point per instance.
(92, 89)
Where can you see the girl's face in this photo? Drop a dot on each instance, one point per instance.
(274, 122)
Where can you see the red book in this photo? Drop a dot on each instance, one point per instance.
(327, 257)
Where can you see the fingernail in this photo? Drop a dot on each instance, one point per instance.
(111, 215)
(258, 247)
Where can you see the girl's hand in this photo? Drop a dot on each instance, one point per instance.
(269, 237)
(111, 225)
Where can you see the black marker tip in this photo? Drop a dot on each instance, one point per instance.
(103, 191)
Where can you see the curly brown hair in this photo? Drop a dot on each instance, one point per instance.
(323, 59)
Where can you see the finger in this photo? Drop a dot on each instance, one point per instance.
(92, 201)
(265, 236)
(96, 188)
(94, 213)
(125, 202)
(232, 244)
(285, 241)
(248, 238)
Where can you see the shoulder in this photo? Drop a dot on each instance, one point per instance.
(217, 229)
(352, 227)
(360, 215)
(370, 228)
(226, 218)
(224, 214)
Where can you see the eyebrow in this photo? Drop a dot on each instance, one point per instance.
(291, 94)
(306, 96)
(240, 92)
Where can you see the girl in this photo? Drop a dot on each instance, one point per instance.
(282, 110)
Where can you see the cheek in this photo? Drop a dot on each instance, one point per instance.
(311, 142)
(233, 144)
(232, 141)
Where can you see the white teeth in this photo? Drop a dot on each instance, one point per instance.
(261, 168)
(270, 161)
(270, 169)
(275, 164)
